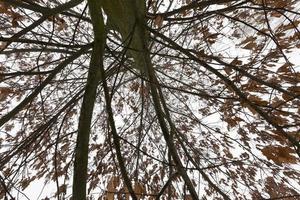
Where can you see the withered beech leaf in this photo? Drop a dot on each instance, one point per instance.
(280, 154)
(158, 21)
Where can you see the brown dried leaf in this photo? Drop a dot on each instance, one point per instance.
(5, 92)
(24, 183)
(3, 45)
(250, 46)
(236, 61)
(62, 189)
(158, 21)
(112, 186)
(279, 154)
(294, 89)
(284, 68)
(275, 14)
(257, 100)
(139, 189)
(286, 97)
(61, 24)
(277, 119)
(4, 7)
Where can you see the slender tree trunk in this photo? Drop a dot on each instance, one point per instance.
(86, 113)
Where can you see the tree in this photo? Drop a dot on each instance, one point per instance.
(150, 99)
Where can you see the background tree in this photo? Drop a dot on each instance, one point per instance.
(150, 99)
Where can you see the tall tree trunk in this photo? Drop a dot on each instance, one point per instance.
(86, 113)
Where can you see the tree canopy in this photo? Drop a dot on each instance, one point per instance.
(156, 99)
